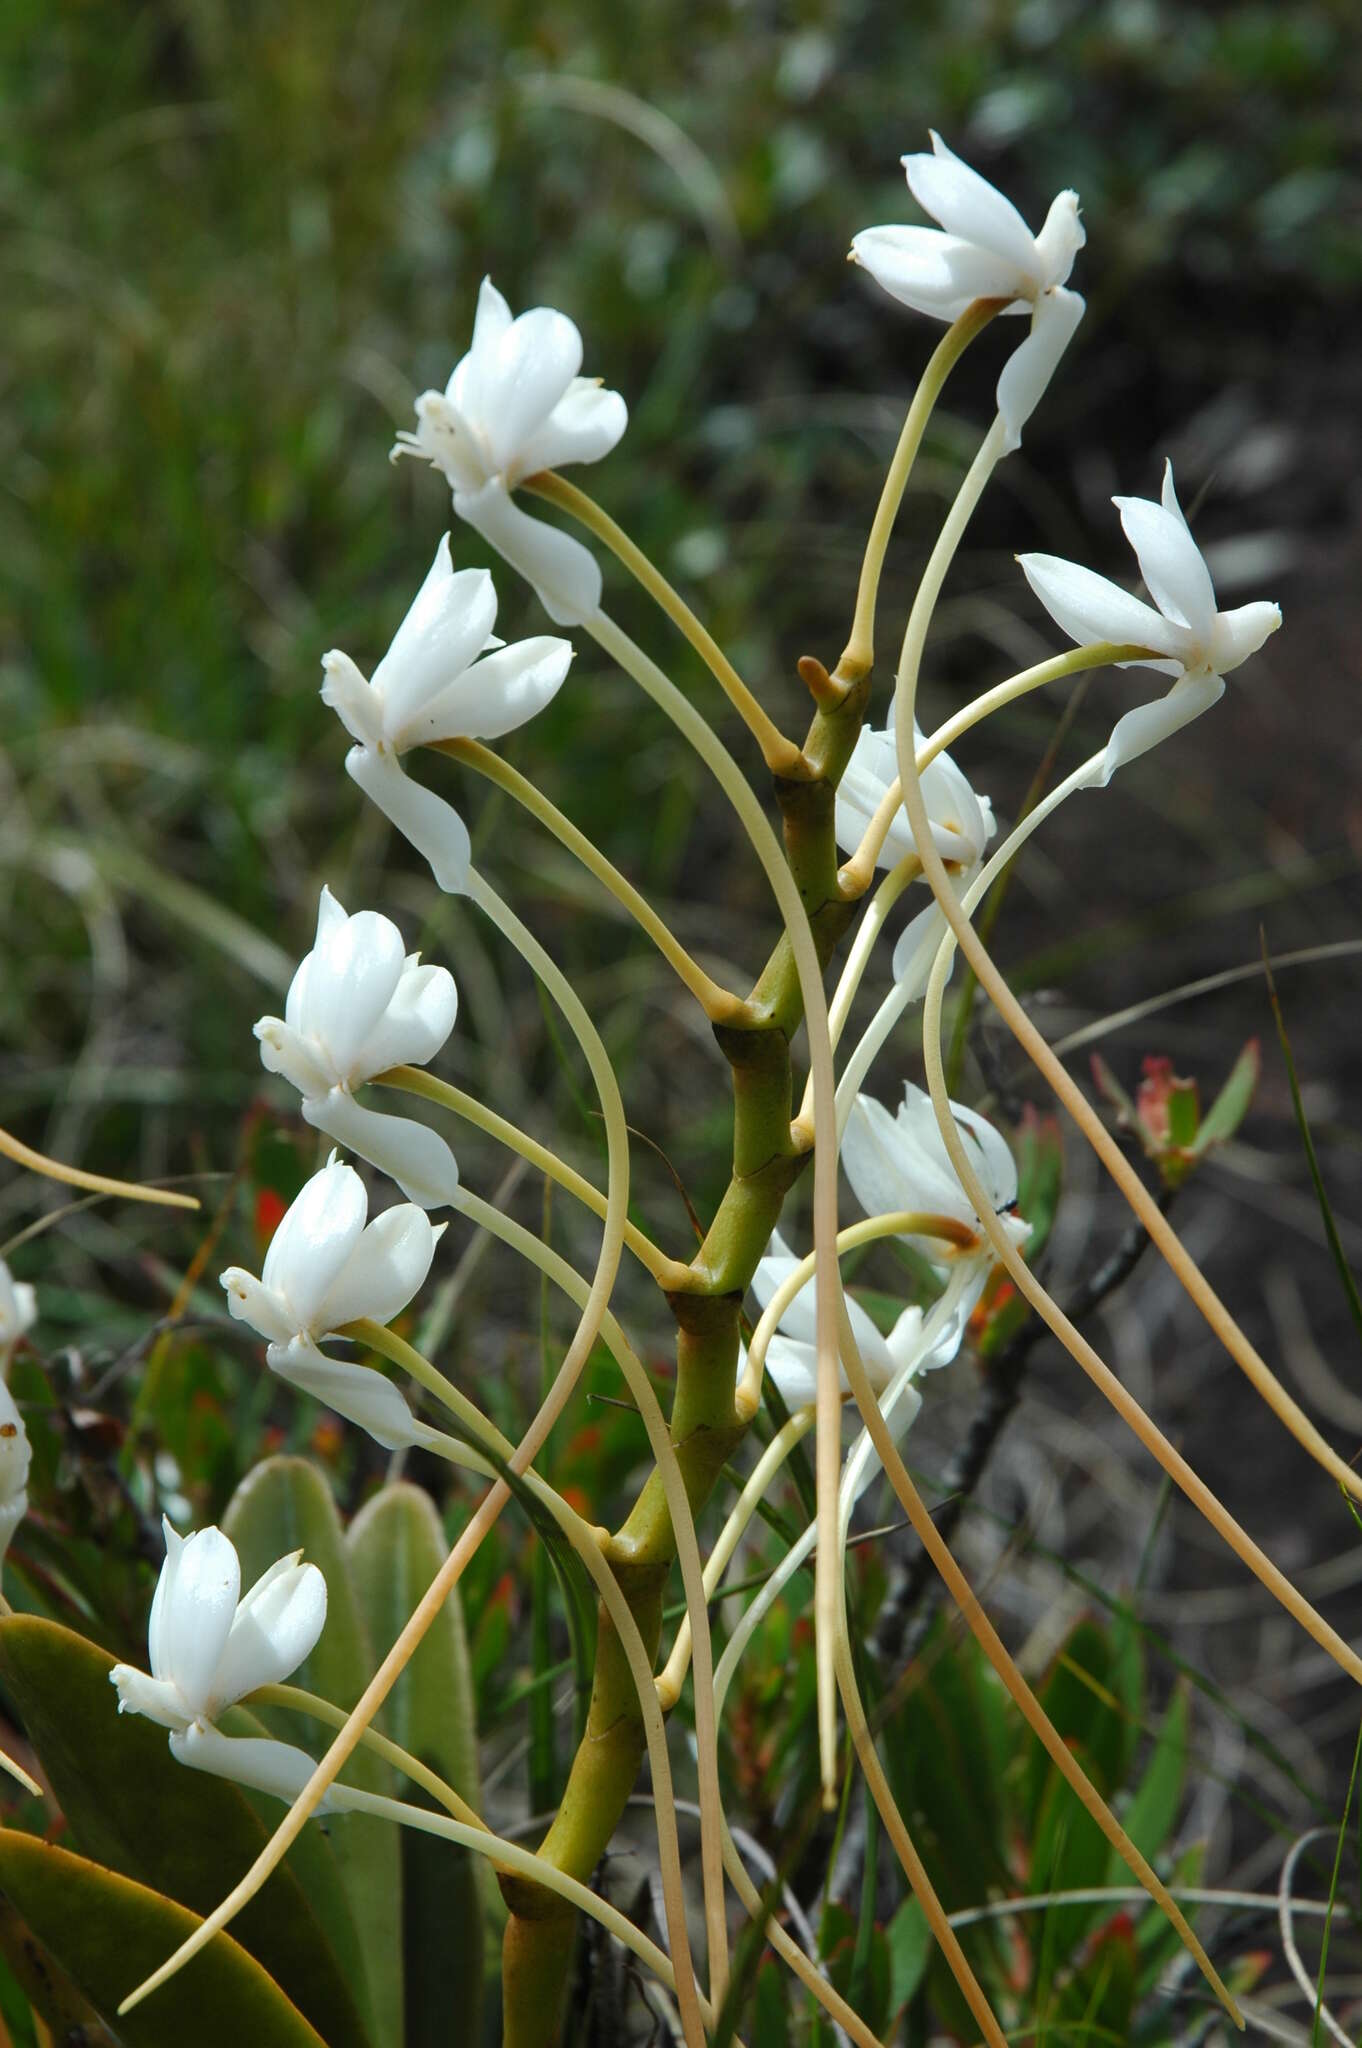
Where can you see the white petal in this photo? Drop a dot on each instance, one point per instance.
(352, 978)
(1168, 496)
(931, 272)
(276, 1627)
(793, 1367)
(197, 1615)
(12, 1512)
(445, 438)
(16, 1453)
(513, 377)
(354, 701)
(917, 949)
(962, 823)
(564, 573)
(315, 1240)
(800, 1318)
(254, 1760)
(491, 320)
(157, 1647)
(446, 628)
(259, 1306)
(989, 1152)
(18, 1307)
(585, 425)
(416, 1022)
(411, 1154)
(1147, 724)
(1027, 372)
(425, 820)
(1238, 634)
(890, 1169)
(968, 206)
(356, 1392)
(906, 1409)
(155, 1697)
(871, 1343)
(300, 1060)
(388, 1266)
(1089, 608)
(1060, 239)
(1170, 562)
(498, 694)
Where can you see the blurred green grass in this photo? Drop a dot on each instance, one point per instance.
(237, 240)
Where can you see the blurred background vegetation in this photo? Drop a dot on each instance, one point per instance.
(236, 241)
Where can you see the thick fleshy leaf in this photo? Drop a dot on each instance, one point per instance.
(1147, 724)
(281, 1506)
(107, 1933)
(497, 695)
(431, 825)
(1027, 372)
(968, 206)
(446, 628)
(563, 572)
(396, 1545)
(1090, 608)
(1171, 564)
(310, 1248)
(130, 1805)
(411, 1154)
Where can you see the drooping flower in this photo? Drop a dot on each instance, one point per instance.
(209, 1646)
(438, 681)
(962, 822)
(983, 249)
(900, 1163)
(792, 1355)
(18, 1308)
(324, 1268)
(1188, 638)
(513, 406)
(358, 1005)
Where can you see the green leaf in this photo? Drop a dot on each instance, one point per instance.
(185, 1834)
(1231, 1105)
(285, 1505)
(108, 1933)
(910, 1948)
(396, 1546)
(1153, 1811)
(34, 1982)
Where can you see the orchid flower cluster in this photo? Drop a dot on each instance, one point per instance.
(363, 1014)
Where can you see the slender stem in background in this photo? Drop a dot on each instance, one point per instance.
(98, 1183)
(416, 1081)
(808, 971)
(858, 959)
(859, 653)
(781, 755)
(992, 1646)
(718, 1004)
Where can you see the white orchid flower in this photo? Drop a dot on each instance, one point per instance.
(962, 822)
(16, 1455)
(516, 405)
(1188, 638)
(208, 1646)
(358, 1005)
(900, 1163)
(325, 1268)
(438, 681)
(983, 250)
(18, 1308)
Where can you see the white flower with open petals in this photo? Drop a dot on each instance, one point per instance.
(446, 676)
(1187, 637)
(326, 1267)
(359, 1004)
(208, 1644)
(962, 822)
(516, 405)
(983, 249)
(18, 1308)
(900, 1163)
